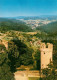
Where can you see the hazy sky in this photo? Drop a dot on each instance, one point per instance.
(10, 8)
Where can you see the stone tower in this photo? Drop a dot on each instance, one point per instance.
(46, 54)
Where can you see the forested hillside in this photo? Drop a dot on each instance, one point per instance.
(49, 28)
(16, 25)
(9, 19)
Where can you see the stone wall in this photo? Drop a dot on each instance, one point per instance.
(46, 54)
(24, 75)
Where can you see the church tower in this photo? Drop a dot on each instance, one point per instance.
(46, 54)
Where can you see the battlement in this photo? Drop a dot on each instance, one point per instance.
(46, 47)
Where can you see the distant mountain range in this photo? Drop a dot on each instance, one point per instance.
(43, 17)
(10, 19)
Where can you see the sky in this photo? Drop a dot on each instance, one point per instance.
(14, 8)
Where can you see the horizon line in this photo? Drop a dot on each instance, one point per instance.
(26, 16)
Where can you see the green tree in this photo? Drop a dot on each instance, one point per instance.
(5, 72)
(50, 73)
(13, 55)
(26, 58)
(25, 53)
(37, 58)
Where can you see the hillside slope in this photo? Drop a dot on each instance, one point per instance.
(13, 25)
(49, 28)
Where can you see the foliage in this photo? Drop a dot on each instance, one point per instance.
(10, 25)
(50, 73)
(26, 58)
(49, 28)
(37, 58)
(13, 55)
(25, 53)
(2, 47)
(19, 54)
(5, 72)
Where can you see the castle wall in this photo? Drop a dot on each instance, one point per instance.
(46, 54)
